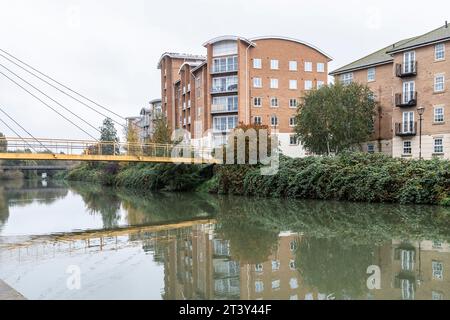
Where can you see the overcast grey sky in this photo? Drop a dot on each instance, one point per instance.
(108, 49)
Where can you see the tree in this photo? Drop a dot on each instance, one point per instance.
(108, 133)
(336, 118)
(162, 132)
(3, 143)
(246, 141)
(132, 136)
(332, 266)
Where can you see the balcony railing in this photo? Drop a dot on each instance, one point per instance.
(225, 89)
(225, 68)
(408, 100)
(224, 65)
(219, 108)
(406, 129)
(406, 70)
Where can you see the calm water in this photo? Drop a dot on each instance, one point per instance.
(190, 246)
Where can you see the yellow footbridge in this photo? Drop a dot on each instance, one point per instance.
(82, 150)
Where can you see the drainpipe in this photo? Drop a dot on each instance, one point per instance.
(247, 105)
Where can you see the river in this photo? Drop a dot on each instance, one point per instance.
(81, 241)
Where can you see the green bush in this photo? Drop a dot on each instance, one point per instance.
(353, 177)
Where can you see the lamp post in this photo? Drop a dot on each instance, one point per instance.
(420, 111)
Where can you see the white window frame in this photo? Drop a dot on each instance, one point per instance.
(291, 103)
(274, 64)
(293, 283)
(409, 89)
(259, 286)
(436, 83)
(293, 245)
(257, 82)
(439, 52)
(259, 99)
(408, 122)
(370, 148)
(272, 99)
(272, 122)
(320, 84)
(409, 59)
(273, 83)
(437, 295)
(438, 145)
(320, 67)
(347, 78)
(437, 268)
(259, 267)
(259, 122)
(293, 142)
(371, 74)
(292, 122)
(439, 117)
(405, 147)
(308, 66)
(292, 265)
(275, 265)
(257, 63)
(308, 85)
(293, 65)
(293, 84)
(276, 284)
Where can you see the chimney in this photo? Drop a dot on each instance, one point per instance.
(446, 24)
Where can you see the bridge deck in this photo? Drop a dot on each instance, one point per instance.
(107, 158)
(80, 150)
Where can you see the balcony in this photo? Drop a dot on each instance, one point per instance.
(406, 131)
(225, 65)
(406, 70)
(225, 89)
(408, 100)
(218, 108)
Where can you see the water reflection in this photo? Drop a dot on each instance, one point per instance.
(186, 246)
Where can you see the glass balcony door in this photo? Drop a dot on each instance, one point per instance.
(408, 122)
(409, 61)
(408, 91)
(224, 84)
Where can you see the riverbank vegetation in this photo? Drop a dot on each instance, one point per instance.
(352, 177)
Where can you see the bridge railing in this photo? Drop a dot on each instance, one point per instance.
(102, 148)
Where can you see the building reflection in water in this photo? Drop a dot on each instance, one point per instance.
(241, 254)
(200, 266)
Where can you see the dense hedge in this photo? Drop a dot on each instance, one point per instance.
(169, 177)
(353, 177)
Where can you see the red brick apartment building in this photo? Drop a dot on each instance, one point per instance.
(408, 78)
(259, 80)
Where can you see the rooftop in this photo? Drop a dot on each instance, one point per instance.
(437, 35)
(374, 59)
(183, 56)
(384, 55)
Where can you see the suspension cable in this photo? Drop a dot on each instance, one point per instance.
(47, 96)
(62, 91)
(62, 85)
(50, 107)
(21, 127)
(15, 132)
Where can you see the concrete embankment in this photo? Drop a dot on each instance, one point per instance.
(8, 293)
